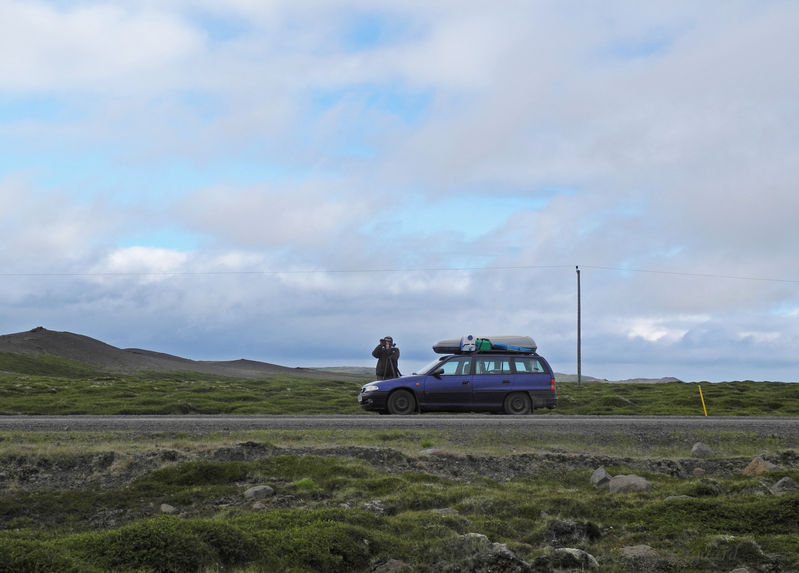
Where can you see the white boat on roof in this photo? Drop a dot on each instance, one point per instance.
(495, 343)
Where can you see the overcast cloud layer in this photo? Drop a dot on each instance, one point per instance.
(289, 181)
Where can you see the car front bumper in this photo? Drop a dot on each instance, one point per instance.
(372, 401)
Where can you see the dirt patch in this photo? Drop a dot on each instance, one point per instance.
(119, 469)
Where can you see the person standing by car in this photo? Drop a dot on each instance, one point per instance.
(387, 355)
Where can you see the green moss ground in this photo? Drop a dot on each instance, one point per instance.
(319, 518)
(47, 385)
(331, 531)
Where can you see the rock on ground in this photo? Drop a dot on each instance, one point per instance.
(569, 558)
(644, 558)
(259, 492)
(475, 553)
(600, 477)
(785, 485)
(758, 466)
(565, 532)
(700, 450)
(628, 483)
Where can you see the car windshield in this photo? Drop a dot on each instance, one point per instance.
(427, 368)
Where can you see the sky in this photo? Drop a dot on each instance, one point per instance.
(291, 180)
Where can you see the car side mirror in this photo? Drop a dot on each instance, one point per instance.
(438, 372)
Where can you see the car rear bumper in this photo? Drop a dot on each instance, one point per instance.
(544, 399)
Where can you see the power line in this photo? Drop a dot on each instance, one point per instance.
(382, 270)
(279, 272)
(686, 274)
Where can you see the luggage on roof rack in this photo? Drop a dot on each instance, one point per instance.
(496, 343)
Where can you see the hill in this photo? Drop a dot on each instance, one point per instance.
(101, 356)
(41, 342)
(591, 380)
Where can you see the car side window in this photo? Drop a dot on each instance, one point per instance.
(527, 365)
(493, 365)
(459, 366)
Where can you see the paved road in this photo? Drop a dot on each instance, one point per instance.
(778, 426)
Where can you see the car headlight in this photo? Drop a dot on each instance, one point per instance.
(371, 388)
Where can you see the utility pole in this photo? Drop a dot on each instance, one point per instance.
(579, 327)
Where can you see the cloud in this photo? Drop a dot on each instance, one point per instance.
(88, 47)
(240, 178)
(272, 216)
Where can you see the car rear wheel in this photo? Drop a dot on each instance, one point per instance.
(401, 403)
(518, 404)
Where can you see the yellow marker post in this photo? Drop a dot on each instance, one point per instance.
(703, 399)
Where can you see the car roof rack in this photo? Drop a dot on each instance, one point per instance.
(498, 343)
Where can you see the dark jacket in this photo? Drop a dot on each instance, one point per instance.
(387, 362)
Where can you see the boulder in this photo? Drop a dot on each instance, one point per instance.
(641, 557)
(600, 477)
(168, 509)
(569, 558)
(259, 492)
(758, 466)
(700, 450)
(736, 549)
(785, 485)
(475, 553)
(565, 532)
(628, 483)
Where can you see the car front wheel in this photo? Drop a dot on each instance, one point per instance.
(401, 403)
(518, 404)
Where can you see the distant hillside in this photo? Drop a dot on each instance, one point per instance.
(104, 357)
(101, 356)
(590, 380)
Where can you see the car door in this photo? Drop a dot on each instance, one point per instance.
(492, 381)
(451, 388)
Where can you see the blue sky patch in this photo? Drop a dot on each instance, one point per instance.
(34, 108)
(469, 216)
(369, 31)
(640, 47)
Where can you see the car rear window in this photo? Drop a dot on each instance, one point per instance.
(528, 365)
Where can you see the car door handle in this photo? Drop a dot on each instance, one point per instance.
(506, 381)
(465, 382)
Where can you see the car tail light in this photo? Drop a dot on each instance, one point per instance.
(552, 384)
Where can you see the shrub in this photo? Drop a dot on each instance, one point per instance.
(27, 555)
(196, 473)
(316, 546)
(233, 545)
(328, 547)
(163, 544)
(305, 485)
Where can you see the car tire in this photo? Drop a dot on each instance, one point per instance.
(401, 403)
(518, 404)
